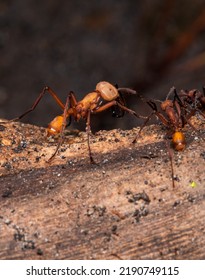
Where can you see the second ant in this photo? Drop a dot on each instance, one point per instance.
(175, 115)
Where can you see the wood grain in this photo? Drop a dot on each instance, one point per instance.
(123, 207)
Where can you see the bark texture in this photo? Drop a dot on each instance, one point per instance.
(122, 207)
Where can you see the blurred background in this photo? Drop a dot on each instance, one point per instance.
(72, 45)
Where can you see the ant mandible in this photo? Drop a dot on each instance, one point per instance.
(103, 97)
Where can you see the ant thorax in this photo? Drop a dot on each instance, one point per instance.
(90, 101)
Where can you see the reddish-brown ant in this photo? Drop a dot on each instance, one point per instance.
(103, 97)
(174, 116)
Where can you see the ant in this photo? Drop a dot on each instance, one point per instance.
(104, 96)
(174, 116)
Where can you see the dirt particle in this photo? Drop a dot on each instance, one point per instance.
(138, 213)
(38, 158)
(19, 236)
(139, 196)
(7, 222)
(102, 139)
(114, 229)
(190, 198)
(2, 127)
(28, 245)
(23, 144)
(100, 210)
(7, 165)
(203, 155)
(176, 203)
(6, 193)
(39, 252)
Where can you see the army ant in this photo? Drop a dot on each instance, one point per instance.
(104, 96)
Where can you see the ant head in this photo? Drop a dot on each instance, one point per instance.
(178, 140)
(166, 103)
(55, 126)
(107, 91)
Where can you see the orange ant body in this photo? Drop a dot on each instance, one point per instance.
(103, 97)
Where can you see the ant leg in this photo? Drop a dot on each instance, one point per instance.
(128, 91)
(128, 110)
(172, 89)
(178, 108)
(162, 119)
(72, 103)
(142, 126)
(177, 97)
(201, 113)
(67, 112)
(192, 113)
(170, 153)
(45, 89)
(156, 113)
(61, 137)
(72, 99)
(114, 103)
(88, 131)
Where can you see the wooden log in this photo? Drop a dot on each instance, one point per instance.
(123, 207)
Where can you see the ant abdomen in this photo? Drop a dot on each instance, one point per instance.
(55, 126)
(178, 140)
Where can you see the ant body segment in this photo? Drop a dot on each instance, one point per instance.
(104, 96)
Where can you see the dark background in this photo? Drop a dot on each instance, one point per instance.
(72, 45)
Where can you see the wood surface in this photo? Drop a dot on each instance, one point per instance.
(122, 207)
